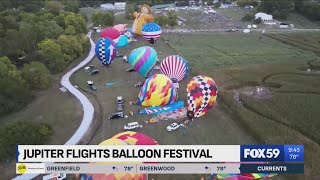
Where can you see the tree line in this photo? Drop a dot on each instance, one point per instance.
(37, 38)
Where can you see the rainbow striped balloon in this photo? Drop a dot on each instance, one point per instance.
(143, 60)
(158, 90)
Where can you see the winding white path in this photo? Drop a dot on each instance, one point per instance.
(88, 109)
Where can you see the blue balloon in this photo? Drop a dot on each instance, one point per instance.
(106, 51)
(124, 41)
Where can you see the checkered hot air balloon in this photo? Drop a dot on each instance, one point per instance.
(111, 33)
(175, 67)
(202, 93)
(151, 32)
(143, 60)
(105, 51)
(158, 90)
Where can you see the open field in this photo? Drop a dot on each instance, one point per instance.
(291, 114)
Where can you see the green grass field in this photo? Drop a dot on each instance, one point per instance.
(290, 116)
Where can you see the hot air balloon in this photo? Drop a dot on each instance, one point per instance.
(124, 41)
(175, 67)
(113, 141)
(143, 60)
(111, 33)
(135, 138)
(158, 90)
(252, 176)
(105, 51)
(121, 28)
(202, 93)
(129, 33)
(151, 32)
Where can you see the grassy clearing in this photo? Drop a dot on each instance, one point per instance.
(290, 116)
(219, 50)
(302, 22)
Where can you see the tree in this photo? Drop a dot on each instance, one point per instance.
(247, 17)
(257, 21)
(172, 18)
(53, 56)
(22, 132)
(243, 3)
(161, 20)
(99, 18)
(36, 75)
(130, 8)
(72, 6)
(13, 92)
(53, 7)
(77, 21)
(217, 4)
(70, 46)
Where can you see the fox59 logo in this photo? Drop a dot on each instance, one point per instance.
(261, 153)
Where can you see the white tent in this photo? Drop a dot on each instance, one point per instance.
(107, 6)
(246, 31)
(263, 16)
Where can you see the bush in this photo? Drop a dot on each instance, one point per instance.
(257, 21)
(36, 75)
(280, 14)
(161, 20)
(104, 19)
(248, 17)
(217, 4)
(243, 3)
(22, 132)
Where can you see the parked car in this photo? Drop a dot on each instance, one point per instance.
(120, 103)
(174, 126)
(94, 72)
(117, 115)
(130, 70)
(91, 86)
(131, 126)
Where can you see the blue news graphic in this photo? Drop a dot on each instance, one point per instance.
(272, 153)
(267, 153)
(293, 153)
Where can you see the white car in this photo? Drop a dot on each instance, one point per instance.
(131, 126)
(174, 126)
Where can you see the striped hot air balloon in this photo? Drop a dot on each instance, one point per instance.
(202, 93)
(105, 51)
(151, 32)
(143, 60)
(175, 67)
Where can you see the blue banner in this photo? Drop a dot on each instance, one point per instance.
(272, 168)
(293, 153)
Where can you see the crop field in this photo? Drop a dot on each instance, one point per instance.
(291, 114)
(225, 49)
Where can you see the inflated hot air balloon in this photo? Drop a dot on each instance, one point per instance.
(105, 51)
(111, 33)
(151, 32)
(143, 60)
(135, 138)
(157, 90)
(113, 141)
(175, 67)
(124, 41)
(121, 28)
(202, 93)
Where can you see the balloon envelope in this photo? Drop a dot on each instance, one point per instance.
(113, 141)
(105, 51)
(124, 41)
(111, 33)
(202, 93)
(121, 28)
(175, 67)
(143, 60)
(158, 90)
(135, 138)
(151, 32)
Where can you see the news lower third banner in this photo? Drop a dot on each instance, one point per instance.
(160, 153)
(157, 168)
